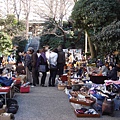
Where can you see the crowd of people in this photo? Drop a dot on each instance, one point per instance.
(110, 69)
(36, 64)
(41, 61)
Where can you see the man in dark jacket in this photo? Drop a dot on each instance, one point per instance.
(112, 73)
(35, 73)
(60, 60)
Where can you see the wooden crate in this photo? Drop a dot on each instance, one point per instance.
(86, 115)
(82, 102)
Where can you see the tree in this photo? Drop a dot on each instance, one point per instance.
(5, 43)
(93, 15)
(6, 7)
(109, 37)
(17, 8)
(11, 26)
(27, 7)
(54, 12)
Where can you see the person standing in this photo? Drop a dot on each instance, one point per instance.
(60, 60)
(53, 70)
(42, 60)
(35, 73)
(28, 65)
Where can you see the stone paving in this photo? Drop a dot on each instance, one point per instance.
(48, 103)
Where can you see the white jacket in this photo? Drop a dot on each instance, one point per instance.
(53, 58)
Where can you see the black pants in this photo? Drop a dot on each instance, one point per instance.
(43, 78)
(52, 77)
(60, 67)
(35, 75)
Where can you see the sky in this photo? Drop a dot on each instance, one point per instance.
(38, 7)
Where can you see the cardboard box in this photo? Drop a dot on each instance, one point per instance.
(61, 86)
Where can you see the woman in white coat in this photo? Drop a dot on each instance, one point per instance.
(53, 66)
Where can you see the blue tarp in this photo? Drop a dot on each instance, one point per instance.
(4, 81)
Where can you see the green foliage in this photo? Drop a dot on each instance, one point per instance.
(95, 14)
(50, 40)
(22, 45)
(11, 26)
(67, 25)
(49, 25)
(11, 20)
(92, 16)
(5, 44)
(2, 22)
(109, 37)
(20, 42)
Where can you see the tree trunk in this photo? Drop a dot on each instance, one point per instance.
(64, 35)
(91, 47)
(27, 27)
(96, 49)
(79, 35)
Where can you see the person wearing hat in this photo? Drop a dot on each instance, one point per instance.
(28, 65)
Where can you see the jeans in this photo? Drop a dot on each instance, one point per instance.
(52, 77)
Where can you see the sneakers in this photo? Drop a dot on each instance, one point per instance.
(32, 86)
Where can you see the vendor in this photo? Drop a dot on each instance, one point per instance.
(104, 69)
(112, 72)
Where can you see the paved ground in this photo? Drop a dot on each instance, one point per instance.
(48, 103)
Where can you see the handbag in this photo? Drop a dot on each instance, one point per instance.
(42, 68)
(53, 67)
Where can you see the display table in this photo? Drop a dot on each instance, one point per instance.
(98, 79)
(4, 91)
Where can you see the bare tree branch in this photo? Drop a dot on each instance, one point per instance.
(17, 9)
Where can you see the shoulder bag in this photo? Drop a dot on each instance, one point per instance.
(53, 67)
(42, 68)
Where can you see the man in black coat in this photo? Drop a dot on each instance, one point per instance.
(60, 60)
(35, 73)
